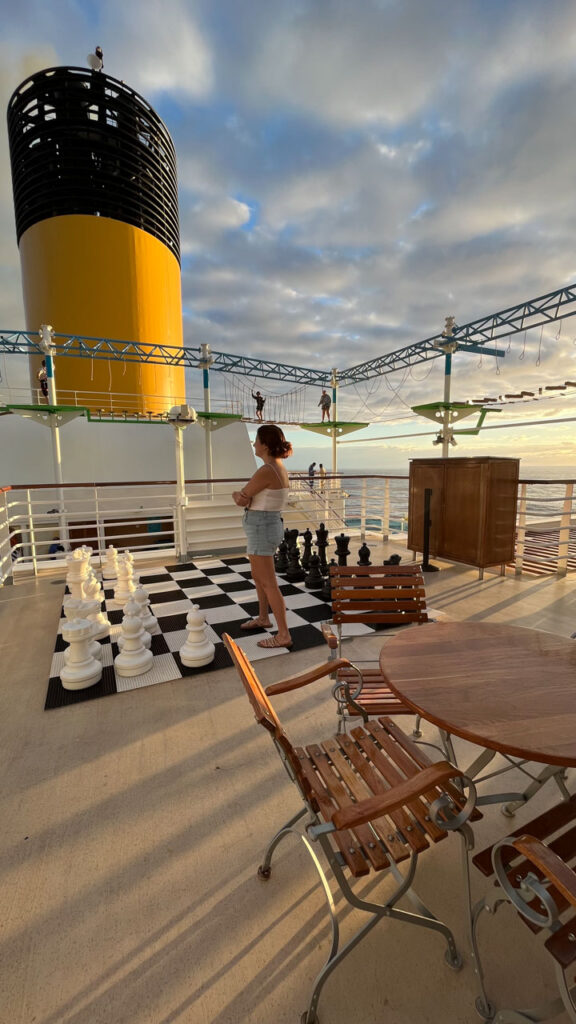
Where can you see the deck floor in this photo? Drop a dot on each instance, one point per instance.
(133, 826)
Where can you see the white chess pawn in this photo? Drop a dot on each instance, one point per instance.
(125, 586)
(81, 669)
(197, 649)
(134, 659)
(110, 567)
(142, 598)
(131, 608)
(76, 610)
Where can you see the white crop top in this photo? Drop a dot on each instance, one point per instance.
(270, 499)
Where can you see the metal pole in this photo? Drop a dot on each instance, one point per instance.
(363, 503)
(386, 511)
(334, 383)
(206, 364)
(181, 500)
(55, 435)
(564, 531)
(31, 533)
(426, 565)
(446, 414)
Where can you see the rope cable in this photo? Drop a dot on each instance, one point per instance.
(540, 346)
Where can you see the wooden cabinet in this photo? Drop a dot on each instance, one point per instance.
(472, 508)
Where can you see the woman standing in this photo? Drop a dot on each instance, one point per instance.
(264, 498)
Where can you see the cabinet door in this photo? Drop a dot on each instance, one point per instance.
(423, 475)
(464, 499)
(501, 499)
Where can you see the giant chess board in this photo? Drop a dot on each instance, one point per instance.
(223, 589)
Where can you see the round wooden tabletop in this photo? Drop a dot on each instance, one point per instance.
(503, 687)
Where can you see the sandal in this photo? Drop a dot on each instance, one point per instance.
(273, 641)
(256, 624)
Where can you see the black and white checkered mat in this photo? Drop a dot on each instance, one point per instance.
(223, 589)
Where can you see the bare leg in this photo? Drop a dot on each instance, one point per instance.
(264, 577)
(263, 605)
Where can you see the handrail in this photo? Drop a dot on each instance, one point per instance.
(145, 515)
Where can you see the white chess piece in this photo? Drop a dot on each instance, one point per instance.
(78, 569)
(197, 649)
(125, 585)
(134, 659)
(76, 610)
(110, 567)
(131, 608)
(81, 669)
(94, 592)
(149, 621)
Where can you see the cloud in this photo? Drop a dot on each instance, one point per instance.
(350, 174)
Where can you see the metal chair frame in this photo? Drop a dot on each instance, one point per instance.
(370, 800)
(539, 879)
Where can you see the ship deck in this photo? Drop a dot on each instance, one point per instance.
(133, 827)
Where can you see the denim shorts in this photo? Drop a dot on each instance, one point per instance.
(264, 531)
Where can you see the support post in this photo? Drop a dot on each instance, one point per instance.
(446, 413)
(386, 511)
(46, 334)
(31, 532)
(181, 499)
(363, 511)
(334, 383)
(564, 531)
(520, 531)
(206, 363)
(426, 566)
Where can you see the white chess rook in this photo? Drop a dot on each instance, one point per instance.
(76, 610)
(81, 669)
(149, 621)
(78, 562)
(134, 659)
(110, 567)
(131, 608)
(197, 649)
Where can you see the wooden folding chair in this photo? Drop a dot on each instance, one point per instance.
(372, 800)
(379, 596)
(535, 870)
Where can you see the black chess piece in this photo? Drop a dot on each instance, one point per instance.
(364, 553)
(322, 544)
(342, 549)
(314, 579)
(281, 557)
(291, 538)
(307, 548)
(326, 594)
(393, 560)
(294, 573)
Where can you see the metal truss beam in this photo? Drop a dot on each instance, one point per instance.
(545, 309)
(28, 343)
(472, 336)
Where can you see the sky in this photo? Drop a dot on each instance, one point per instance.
(350, 173)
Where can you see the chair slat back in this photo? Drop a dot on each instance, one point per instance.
(378, 594)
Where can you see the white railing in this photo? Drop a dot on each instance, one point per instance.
(5, 549)
(117, 405)
(38, 524)
(546, 525)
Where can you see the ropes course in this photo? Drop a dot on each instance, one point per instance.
(283, 407)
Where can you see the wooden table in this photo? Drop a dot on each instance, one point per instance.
(506, 688)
